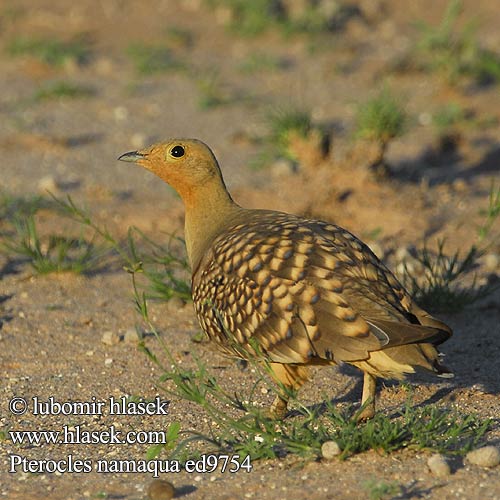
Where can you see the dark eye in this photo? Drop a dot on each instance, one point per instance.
(177, 151)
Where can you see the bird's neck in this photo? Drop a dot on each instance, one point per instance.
(209, 208)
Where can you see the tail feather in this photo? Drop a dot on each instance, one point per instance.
(396, 362)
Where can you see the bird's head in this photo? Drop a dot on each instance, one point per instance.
(186, 164)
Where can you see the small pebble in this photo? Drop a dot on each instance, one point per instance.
(131, 336)
(425, 119)
(47, 183)
(459, 185)
(159, 489)
(110, 338)
(330, 449)
(108, 361)
(491, 261)
(487, 456)
(439, 466)
(120, 113)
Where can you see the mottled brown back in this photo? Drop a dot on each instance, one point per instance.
(306, 291)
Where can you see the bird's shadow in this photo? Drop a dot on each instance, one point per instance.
(439, 167)
(5, 317)
(351, 393)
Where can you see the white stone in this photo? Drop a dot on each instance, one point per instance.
(110, 338)
(330, 449)
(439, 466)
(47, 183)
(131, 336)
(487, 456)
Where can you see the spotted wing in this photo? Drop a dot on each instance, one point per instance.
(301, 291)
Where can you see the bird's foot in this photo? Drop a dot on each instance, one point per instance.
(367, 412)
(278, 410)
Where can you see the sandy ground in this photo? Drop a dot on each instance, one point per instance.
(51, 326)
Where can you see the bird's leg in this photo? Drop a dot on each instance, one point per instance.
(278, 408)
(290, 378)
(368, 397)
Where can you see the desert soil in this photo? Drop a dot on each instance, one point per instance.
(51, 326)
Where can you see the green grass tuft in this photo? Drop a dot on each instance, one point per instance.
(455, 52)
(179, 36)
(284, 122)
(449, 116)
(60, 90)
(251, 18)
(381, 118)
(259, 61)
(152, 59)
(441, 286)
(50, 51)
(248, 19)
(210, 90)
(52, 253)
(20, 238)
(491, 213)
(289, 126)
(378, 490)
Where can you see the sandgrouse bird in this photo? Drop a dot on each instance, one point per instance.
(293, 291)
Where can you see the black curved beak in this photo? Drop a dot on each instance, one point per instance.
(132, 156)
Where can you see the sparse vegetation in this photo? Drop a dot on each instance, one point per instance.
(455, 52)
(253, 433)
(211, 93)
(311, 18)
(441, 287)
(61, 89)
(492, 212)
(261, 61)
(50, 51)
(49, 253)
(284, 125)
(380, 119)
(293, 136)
(378, 490)
(250, 18)
(54, 253)
(12, 206)
(152, 59)
(448, 117)
(451, 123)
(179, 36)
(164, 266)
